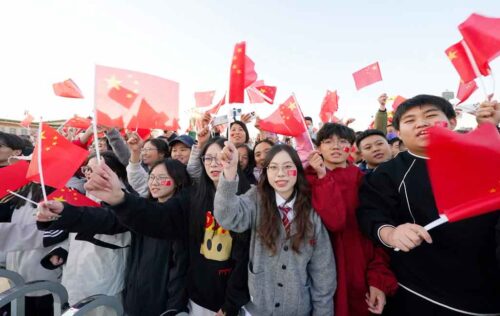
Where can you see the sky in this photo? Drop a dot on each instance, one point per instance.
(302, 47)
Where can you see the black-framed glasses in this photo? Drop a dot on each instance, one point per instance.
(208, 160)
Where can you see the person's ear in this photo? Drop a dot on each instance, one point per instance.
(453, 123)
(17, 152)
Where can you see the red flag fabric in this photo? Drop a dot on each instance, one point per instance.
(261, 94)
(366, 76)
(105, 120)
(286, 120)
(465, 90)
(397, 101)
(204, 98)
(72, 197)
(456, 54)
(329, 106)
(482, 35)
(462, 192)
(216, 108)
(67, 89)
(78, 122)
(113, 84)
(242, 74)
(60, 159)
(12, 177)
(147, 117)
(26, 122)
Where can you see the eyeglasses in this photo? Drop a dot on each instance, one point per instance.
(146, 150)
(208, 160)
(284, 168)
(86, 169)
(340, 143)
(159, 178)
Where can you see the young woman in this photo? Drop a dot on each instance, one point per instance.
(291, 268)
(238, 133)
(260, 151)
(156, 269)
(217, 258)
(247, 162)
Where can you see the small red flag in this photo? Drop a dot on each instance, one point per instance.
(261, 93)
(78, 122)
(72, 197)
(147, 117)
(470, 191)
(60, 159)
(482, 35)
(456, 54)
(286, 120)
(465, 90)
(366, 76)
(104, 120)
(242, 74)
(397, 101)
(67, 89)
(123, 96)
(12, 177)
(26, 122)
(329, 106)
(204, 98)
(216, 108)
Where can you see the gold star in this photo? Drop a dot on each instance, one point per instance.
(239, 50)
(42, 135)
(113, 82)
(292, 106)
(54, 143)
(262, 90)
(235, 58)
(452, 55)
(47, 149)
(60, 199)
(238, 71)
(234, 66)
(493, 190)
(129, 95)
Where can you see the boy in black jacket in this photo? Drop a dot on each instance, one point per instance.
(452, 273)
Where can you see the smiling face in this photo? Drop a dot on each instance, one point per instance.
(375, 150)
(237, 134)
(260, 152)
(282, 174)
(213, 166)
(160, 184)
(414, 124)
(149, 154)
(181, 152)
(335, 151)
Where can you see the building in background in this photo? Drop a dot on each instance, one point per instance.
(13, 127)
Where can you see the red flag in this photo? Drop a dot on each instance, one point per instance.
(147, 117)
(462, 192)
(456, 54)
(161, 94)
(12, 177)
(67, 89)
(329, 106)
(242, 74)
(204, 98)
(72, 197)
(123, 96)
(397, 101)
(60, 159)
(261, 94)
(366, 76)
(216, 108)
(105, 120)
(27, 120)
(78, 122)
(286, 120)
(465, 90)
(482, 35)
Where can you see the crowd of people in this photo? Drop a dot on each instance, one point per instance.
(239, 225)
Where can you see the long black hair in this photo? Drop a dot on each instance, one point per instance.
(204, 193)
(248, 170)
(114, 164)
(177, 171)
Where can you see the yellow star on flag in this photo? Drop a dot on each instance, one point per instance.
(452, 55)
(262, 90)
(113, 82)
(292, 106)
(59, 199)
(493, 190)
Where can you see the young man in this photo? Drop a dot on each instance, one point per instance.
(374, 149)
(364, 279)
(310, 127)
(180, 148)
(397, 146)
(450, 270)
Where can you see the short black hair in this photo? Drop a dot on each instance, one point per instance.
(308, 118)
(333, 129)
(161, 146)
(442, 104)
(394, 140)
(367, 133)
(12, 141)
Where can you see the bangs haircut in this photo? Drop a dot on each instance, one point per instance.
(441, 104)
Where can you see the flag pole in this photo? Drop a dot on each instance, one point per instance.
(303, 121)
(40, 167)
(440, 221)
(475, 67)
(23, 197)
(94, 122)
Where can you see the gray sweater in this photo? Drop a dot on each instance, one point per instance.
(287, 283)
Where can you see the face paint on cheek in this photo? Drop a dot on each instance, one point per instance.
(347, 149)
(166, 183)
(441, 124)
(292, 173)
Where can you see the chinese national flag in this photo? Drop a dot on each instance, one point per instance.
(121, 93)
(216, 108)
(60, 159)
(147, 117)
(462, 192)
(242, 74)
(465, 90)
(261, 93)
(456, 54)
(72, 197)
(204, 98)
(13, 177)
(329, 106)
(67, 89)
(105, 120)
(482, 35)
(286, 120)
(78, 122)
(397, 101)
(27, 120)
(367, 76)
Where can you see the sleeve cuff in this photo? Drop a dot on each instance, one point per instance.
(60, 252)
(380, 239)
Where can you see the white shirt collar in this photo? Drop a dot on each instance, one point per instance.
(281, 201)
(422, 157)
